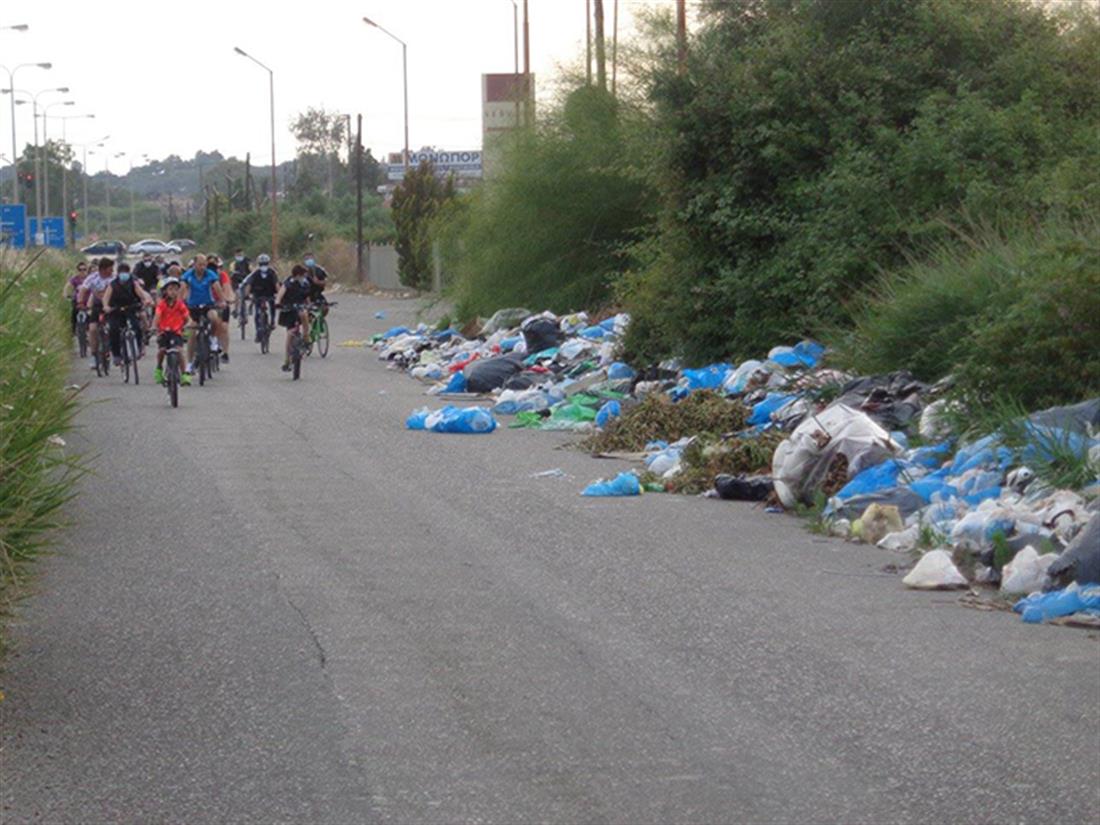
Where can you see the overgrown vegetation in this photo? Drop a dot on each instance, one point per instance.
(707, 458)
(417, 201)
(657, 417)
(37, 469)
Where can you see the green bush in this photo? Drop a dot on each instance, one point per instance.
(1011, 313)
(37, 471)
(549, 229)
(811, 143)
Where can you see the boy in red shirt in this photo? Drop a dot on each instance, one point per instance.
(171, 317)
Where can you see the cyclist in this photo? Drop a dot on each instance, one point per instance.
(262, 285)
(72, 289)
(293, 298)
(317, 281)
(221, 342)
(162, 267)
(171, 317)
(124, 295)
(147, 272)
(90, 299)
(202, 288)
(241, 267)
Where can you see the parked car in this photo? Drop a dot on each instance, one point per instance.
(105, 248)
(152, 246)
(183, 243)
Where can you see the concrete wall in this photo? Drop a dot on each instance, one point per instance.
(381, 267)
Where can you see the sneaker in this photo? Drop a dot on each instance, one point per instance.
(225, 357)
(185, 379)
(158, 375)
(215, 346)
(286, 367)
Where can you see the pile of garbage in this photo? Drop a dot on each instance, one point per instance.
(872, 454)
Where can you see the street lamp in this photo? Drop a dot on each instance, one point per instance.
(22, 27)
(405, 74)
(11, 91)
(274, 185)
(37, 148)
(46, 144)
(97, 144)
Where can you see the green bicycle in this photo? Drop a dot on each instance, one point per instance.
(318, 330)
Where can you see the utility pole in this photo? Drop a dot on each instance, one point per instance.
(528, 108)
(588, 42)
(601, 53)
(615, 49)
(681, 35)
(359, 198)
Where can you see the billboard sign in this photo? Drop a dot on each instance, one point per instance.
(52, 234)
(13, 225)
(463, 164)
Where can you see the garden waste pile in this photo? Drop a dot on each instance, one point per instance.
(874, 457)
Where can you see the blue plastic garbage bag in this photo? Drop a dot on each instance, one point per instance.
(609, 323)
(762, 412)
(809, 352)
(610, 410)
(974, 499)
(932, 484)
(620, 371)
(706, 378)
(882, 476)
(416, 421)
(929, 457)
(450, 419)
(1043, 607)
(457, 383)
(679, 393)
(596, 333)
(509, 344)
(444, 334)
(393, 332)
(624, 484)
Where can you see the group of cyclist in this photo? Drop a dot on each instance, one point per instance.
(180, 297)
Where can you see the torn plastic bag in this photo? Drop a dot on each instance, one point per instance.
(905, 500)
(491, 373)
(504, 319)
(705, 378)
(743, 487)
(511, 402)
(1044, 607)
(802, 462)
(618, 371)
(892, 400)
(806, 354)
(1080, 561)
(884, 476)
(468, 421)
(901, 541)
(624, 484)
(541, 333)
(456, 384)
(935, 571)
(1027, 572)
(975, 530)
(608, 412)
(762, 411)
(747, 375)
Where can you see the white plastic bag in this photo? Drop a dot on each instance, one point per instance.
(1027, 572)
(902, 540)
(935, 571)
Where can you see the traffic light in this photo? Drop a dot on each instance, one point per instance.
(28, 180)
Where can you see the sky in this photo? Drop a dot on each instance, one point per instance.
(163, 78)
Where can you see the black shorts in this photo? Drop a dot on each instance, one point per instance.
(169, 339)
(196, 313)
(224, 314)
(288, 318)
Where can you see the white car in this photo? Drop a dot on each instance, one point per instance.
(153, 247)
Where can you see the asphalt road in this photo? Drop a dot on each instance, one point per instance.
(278, 605)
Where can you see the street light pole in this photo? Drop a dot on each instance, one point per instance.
(405, 76)
(274, 184)
(14, 150)
(46, 143)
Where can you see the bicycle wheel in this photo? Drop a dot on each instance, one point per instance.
(242, 310)
(82, 336)
(103, 362)
(132, 353)
(263, 331)
(322, 336)
(202, 356)
(296, 356)
(172, 379)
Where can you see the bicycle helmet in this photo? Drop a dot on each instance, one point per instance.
(167, 282)
(263, 259)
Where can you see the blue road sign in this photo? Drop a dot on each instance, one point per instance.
(53, 230)
(12, 225)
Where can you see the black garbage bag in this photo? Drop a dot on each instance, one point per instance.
(903, 498)
(743, 488)
(1081, 560)
(893, 400)
(490, 374)
(541, 334)
(523, 381)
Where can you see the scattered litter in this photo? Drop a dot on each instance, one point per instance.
(555, 473)
(469, 420)
(380, 315)
(1027, 572)
(624, 484)
(351, 343)
(935, 571)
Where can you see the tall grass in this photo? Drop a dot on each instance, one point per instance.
(1011, 313)
(37, 470)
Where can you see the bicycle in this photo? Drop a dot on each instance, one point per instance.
(261, 306)
(298, 343)
(204, 354)
(172, 369)
(131, 349)
(318, 329)
(102, 348)
(242, 316)
(82, 332)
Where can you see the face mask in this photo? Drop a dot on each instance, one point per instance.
(240, 257)
(124, 276)
(147, 261)
(263, 267)
(311, 262)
